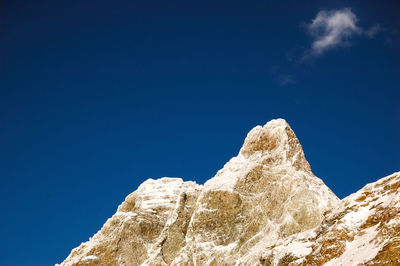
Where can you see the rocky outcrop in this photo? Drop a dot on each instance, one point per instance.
(150, 221)
(264, 207)
(364, 229)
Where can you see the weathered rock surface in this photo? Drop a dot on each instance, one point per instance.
(364, 229)
(264, 207)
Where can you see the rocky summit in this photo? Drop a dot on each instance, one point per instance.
(264, 207)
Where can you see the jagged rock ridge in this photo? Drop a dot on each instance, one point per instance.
(264, 207)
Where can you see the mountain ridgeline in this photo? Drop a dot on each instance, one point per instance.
(264, 207)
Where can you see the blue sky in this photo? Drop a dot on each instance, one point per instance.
(98, 96)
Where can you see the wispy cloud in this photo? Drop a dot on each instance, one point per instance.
(282, 79)
(331, 29)
(286, 80)
(328, 30)
(373, 31)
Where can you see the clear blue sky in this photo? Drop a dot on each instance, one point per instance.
(98, 96)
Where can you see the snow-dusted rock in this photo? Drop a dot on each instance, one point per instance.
(364, 229)
(264, 207)
(265, 193)
(151, 219)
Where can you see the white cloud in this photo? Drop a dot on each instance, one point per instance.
(331, 29)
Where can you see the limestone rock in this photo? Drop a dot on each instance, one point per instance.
(263, 207)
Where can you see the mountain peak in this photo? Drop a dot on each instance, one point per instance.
(265, 206)
(277, 142)
(265, 193)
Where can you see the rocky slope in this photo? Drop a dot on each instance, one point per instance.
(264, 207)
(364, 229)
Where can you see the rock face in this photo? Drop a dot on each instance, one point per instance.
(364, 229)
(264, 207)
